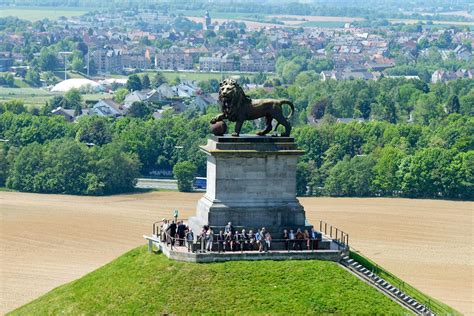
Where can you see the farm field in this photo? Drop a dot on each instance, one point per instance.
(437, 22)
(36, 97)
(39, 13)
(48, 240)
(199, 76)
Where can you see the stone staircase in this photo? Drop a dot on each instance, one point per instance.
(382, 285)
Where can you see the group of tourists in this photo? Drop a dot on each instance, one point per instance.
(231, 239)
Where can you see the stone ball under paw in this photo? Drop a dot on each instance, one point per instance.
(219, 128)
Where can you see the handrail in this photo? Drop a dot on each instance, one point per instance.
(200, 240)
(431, 303)
(340, 237)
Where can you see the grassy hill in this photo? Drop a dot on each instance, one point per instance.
(141, 283)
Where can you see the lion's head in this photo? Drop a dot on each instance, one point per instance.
(232, 98)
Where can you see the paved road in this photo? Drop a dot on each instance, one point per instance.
(167, 184)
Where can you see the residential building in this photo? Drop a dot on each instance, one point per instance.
(107, 60)
(173, 58)
(106, 107)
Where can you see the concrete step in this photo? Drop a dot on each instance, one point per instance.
(346, 258)
(419, 307)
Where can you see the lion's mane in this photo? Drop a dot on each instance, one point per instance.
(231, 107)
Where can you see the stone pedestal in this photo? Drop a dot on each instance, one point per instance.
(251, 182)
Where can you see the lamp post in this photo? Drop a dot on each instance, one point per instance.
(65, 54)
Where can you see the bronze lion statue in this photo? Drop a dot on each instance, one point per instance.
(238, 107)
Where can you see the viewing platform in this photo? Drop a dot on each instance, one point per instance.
(332, 246)
(183, 253)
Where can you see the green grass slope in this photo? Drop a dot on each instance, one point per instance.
(145, 284)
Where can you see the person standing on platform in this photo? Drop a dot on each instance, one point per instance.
(229, 229)
(181, 233)
(221, 240)
(291, 235)
(267, 241)
(306, 239)
(209, 239)
(286, 238)
(299, 238)
(172, 232)
(189, 239)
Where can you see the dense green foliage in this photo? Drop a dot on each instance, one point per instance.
(382, 159)
(128, 285)
(66, 166)
(429, 158)
(184, 172)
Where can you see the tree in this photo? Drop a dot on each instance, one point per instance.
(427, 109)
(3, 166)
(10, 80)
(120, 95)
(115, 171)
(453, 106)
(138, 109)
(426, 173)
(184, 172)
(146, 82)
(33, 77)
(58, 101)
(95, 130)
(134, 83)
(47, 60)
(385, 170)
(73, 99)
(290, 71)
(302, 175)
(319, 107)
(351, 177)
(384, 109)
(77, 64)
(158, 79)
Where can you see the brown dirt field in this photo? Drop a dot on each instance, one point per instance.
(252, 25)
(290, 19)
(48, 240)
(415, 21)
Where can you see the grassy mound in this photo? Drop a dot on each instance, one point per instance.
(142, 283)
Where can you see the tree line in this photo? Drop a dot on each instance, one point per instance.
(98, 155)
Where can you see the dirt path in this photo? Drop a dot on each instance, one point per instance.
(47, 240)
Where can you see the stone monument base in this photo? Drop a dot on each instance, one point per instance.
(251, 182)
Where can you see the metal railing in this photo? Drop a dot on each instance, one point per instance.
(432, 304)
(335, 234)
(201, 244)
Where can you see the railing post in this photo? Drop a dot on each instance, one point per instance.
(320, 225)
(325, 228)
(330, 231)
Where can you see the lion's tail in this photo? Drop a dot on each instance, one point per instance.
(292, 106)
